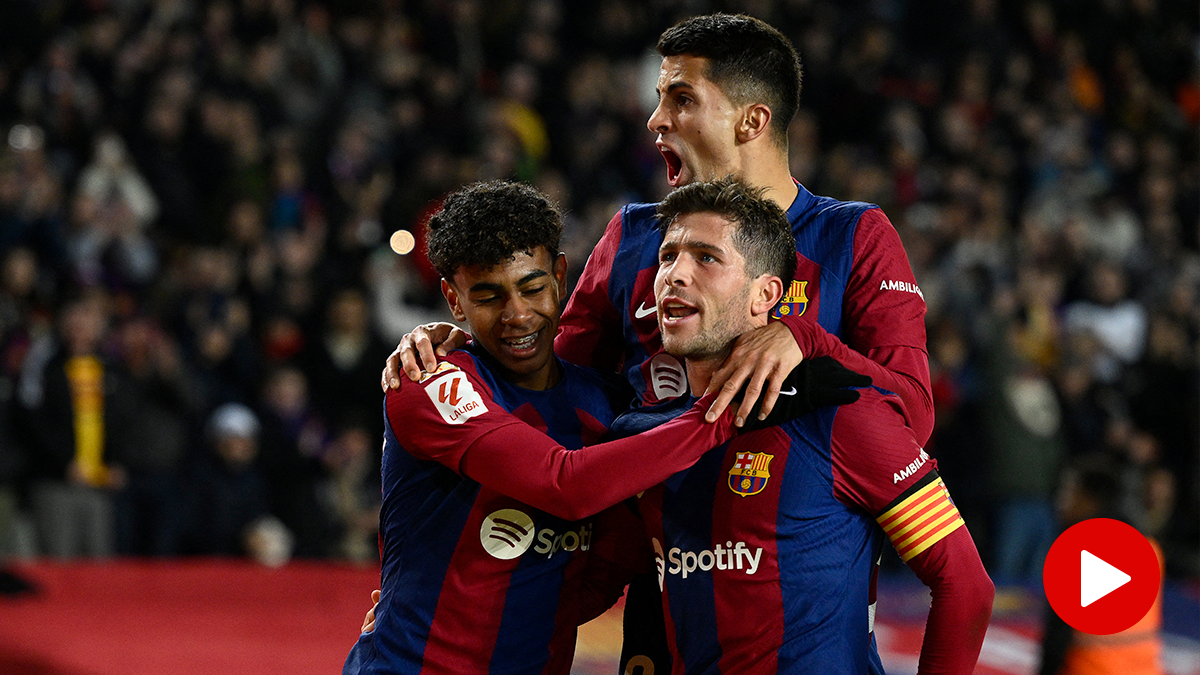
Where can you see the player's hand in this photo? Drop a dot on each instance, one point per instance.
(369, 619)
(813, 384)
(763, 356)
(419, 351)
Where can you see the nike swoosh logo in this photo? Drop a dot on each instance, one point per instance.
(644, 311)
(789, 392)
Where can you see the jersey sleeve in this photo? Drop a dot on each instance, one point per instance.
(450, 417)
(590, 331)
(442, 415)
(522, 462)
(880, 467)
(884, 315)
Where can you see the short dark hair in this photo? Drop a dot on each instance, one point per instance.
(749, 60)
(486, 224)
(761, 232)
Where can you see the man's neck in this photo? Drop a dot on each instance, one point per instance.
(767, 167)
(700, 372)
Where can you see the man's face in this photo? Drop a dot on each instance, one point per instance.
(695, 123)
(703, 293)
(513, 311)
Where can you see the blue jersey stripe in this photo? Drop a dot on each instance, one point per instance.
(687, 528)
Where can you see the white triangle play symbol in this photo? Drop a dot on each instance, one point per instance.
(1097, 578)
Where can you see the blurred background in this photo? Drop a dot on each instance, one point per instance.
(197, 293)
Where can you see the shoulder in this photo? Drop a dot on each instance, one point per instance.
(875, 418)
(459, 365)
(838, 213)
(639, 218)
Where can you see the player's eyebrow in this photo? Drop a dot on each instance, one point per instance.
(691, 245)
(672, 87)
(488, 286)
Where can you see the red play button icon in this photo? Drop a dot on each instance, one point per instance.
(1101, 576)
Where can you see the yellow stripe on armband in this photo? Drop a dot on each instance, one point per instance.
(921, 520)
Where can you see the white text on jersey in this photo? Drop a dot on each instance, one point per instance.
(550, 542)
(729, 557)
(911, 468)
(894, 285)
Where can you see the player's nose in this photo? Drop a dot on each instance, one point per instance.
(659, 121)
(517, 311)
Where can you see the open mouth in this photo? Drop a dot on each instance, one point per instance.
(675, 310)
(522, 344)
(674, 165)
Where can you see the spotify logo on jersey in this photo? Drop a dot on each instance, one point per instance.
(506, 533)
(509, 533)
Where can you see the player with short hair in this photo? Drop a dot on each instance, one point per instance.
(766, 547)
(490, 555)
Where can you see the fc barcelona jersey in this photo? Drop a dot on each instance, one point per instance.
(474, 581)
(766, 548)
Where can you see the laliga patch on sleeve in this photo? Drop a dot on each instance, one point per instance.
(455, 398)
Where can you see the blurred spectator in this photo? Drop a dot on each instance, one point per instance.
(1116, 321)
(1023, 425)
(150, 520)
(352, 491)
(293, 440)
(346, 353)
(79, 429)
(229, 509)
(113, 207)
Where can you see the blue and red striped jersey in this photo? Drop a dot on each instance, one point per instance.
(474, 581)
(854, 297)
(767, 547)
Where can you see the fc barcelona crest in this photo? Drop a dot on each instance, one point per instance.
(750, 473)
(794, 302)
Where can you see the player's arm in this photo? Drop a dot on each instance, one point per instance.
(931, 538)
(589, 333)
(901, 369)
(884, 318)
(880, 467)
(451, 419)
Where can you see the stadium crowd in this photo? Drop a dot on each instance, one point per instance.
(197, 293)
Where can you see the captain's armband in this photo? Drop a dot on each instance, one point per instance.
(920, 517)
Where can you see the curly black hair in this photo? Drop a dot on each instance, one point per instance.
(762, 234)
(486, 224)
(749, 60)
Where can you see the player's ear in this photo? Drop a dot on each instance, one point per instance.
(765, 292)
(453, 300)
(560, 275)
(755, 122)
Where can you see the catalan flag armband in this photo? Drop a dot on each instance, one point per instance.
(921, 517)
